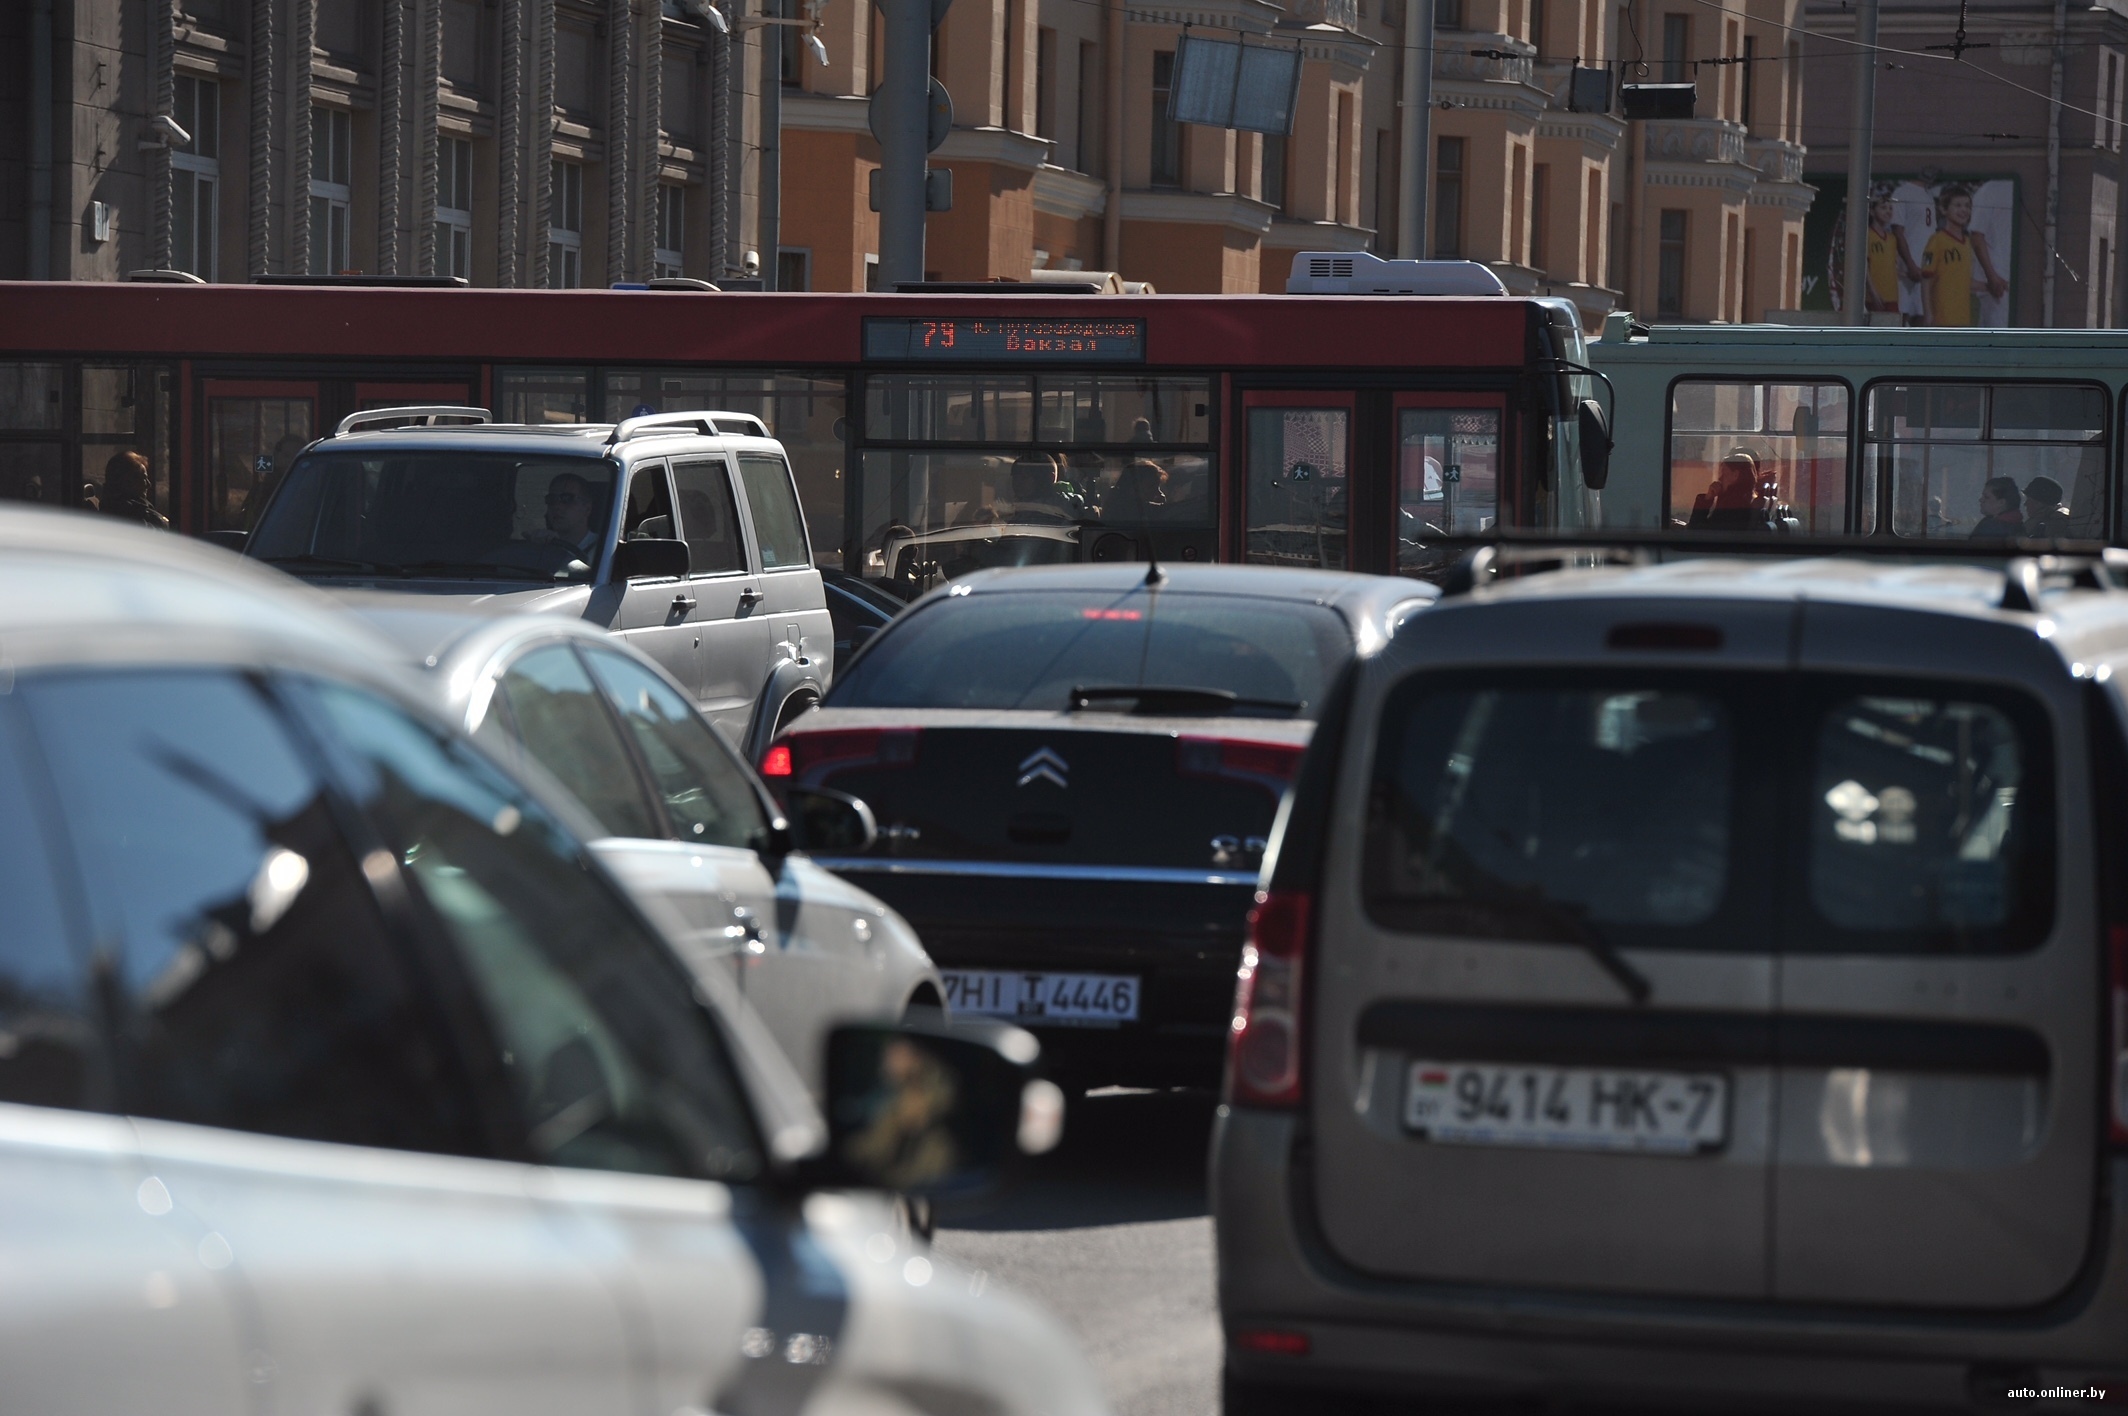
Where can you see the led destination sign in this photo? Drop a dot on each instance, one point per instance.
(1068, 341)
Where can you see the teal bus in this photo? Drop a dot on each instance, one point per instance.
(1866, 431)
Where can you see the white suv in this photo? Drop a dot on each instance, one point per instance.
(680, 531)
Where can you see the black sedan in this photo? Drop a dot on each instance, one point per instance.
(1074, 772)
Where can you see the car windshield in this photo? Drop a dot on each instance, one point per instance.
(924, 562)
(1059, 650)
(454, 515)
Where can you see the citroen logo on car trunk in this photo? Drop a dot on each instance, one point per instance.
(1043, 765)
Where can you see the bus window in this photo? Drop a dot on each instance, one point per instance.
(1796, 434)
(1943, 444)
(963, 471)
(1298, 505)
(542, 395)
(1448, 477)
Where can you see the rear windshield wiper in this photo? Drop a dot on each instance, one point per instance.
(1155, 700)
(1575, 926)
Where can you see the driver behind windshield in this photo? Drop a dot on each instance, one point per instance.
(1038, 494)
(572, 520)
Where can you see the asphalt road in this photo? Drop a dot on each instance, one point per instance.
(1111, 1232)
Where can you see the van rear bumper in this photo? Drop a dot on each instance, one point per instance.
(1370, 1332)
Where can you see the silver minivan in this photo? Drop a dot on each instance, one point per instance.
(1705, 981)
(681, 532)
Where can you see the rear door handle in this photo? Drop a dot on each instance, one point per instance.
(749, 596)
(683, 603)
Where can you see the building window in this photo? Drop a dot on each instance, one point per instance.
(1447, 14)
(454, 207)
(1347, 208)
(565, 227)
(1518, 205)
(1167, 133)
(1274, 170)
(1670, 265)
(672, 231)
(1540, 215)
(2102, 287)
(196, 178)
(1536, 27)
(2113, 76)
(1615, 250)
(1792, 117)
(1448, 199)
(1749, 116)
(1045, 83)
(331, 190)
(1592, 251)
(794, 269)
(1676, 49)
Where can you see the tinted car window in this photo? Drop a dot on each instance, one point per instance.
(778, 525)
(1029, 649)
(1540, 812)
(53, 1056)
(556, 713)
(454, 514)
(709, 518)
(706, 793)
(255, 985)
(614, 1064)
(1930, 822)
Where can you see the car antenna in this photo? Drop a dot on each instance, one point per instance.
(1155, 577)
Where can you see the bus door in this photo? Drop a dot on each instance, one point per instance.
(255, 427)
(1297, 461)
(1446, 480)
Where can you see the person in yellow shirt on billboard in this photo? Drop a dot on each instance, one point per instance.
(1890, 258)
(1947, 261)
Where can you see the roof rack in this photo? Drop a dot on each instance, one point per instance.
(419, 415)
(161, 275)
(704, 424)
(2029, 567)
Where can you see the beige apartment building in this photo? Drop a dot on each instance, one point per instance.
(1062, 156)
(585, 142)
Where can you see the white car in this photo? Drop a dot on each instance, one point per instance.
(339, 1076)
(683, 820)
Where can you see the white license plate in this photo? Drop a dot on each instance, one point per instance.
(1567, 1108)
(1078, 999)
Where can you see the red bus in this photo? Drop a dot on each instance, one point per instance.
(1334, 431)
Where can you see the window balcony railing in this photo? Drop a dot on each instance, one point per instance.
(1695, 140)
(1474, 55)
(1345, 14)
(1776, 161)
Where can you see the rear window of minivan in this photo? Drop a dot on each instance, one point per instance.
(1707, 811)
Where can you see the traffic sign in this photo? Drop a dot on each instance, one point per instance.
(938, 113)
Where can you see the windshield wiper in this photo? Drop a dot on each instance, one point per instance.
(1575, 926)
(1156, 700)
(483, 570)
(337, 562)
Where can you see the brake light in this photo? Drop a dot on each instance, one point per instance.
(808, 759)
(1264, 1044)
(1278, 1342)
(2117, 941)
(1269, 765)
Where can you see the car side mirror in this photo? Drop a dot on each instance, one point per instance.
(936, 1109)
(652, 558)
(824, 820)
(228, 540)
(1595, 446)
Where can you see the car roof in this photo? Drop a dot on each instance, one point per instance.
(587, 440)
(77, 587)
(2080, 621)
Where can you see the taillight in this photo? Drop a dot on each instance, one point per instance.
(808, 759)
(2117, 942)
(1264, 1045)
(1270, 765)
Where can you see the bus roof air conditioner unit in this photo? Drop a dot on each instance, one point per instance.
(1359, 273)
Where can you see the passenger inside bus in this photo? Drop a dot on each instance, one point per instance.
(1740, 499)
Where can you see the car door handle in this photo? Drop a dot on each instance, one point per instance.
(683, 603)
(749, 597)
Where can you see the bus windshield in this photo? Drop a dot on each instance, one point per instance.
(451, 515)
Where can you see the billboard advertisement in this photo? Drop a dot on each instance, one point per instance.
(1941, 249)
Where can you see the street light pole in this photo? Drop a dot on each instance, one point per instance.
(1415, 130)
(903, 105)
(1862, 125)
